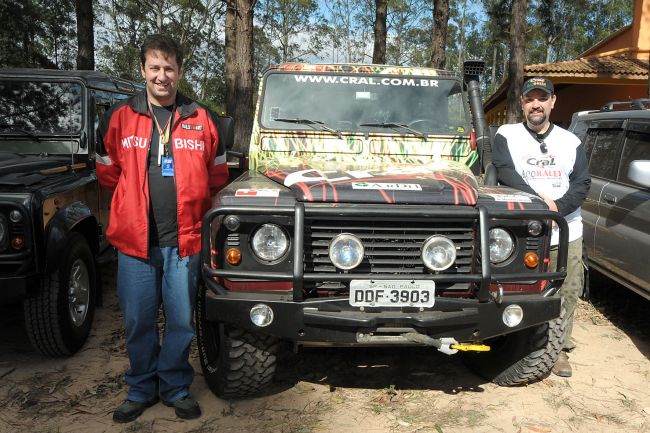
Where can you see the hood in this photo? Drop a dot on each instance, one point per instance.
(441, 182)
(26, 170)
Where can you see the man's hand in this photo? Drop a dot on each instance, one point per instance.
(549, 202)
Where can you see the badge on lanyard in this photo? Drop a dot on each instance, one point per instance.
(167, 166)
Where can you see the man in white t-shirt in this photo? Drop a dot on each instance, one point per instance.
(540, 158)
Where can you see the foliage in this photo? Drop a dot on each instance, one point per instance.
(42, 33)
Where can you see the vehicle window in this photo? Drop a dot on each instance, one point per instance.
(580, 129)
(589, 141)
(344, 102)
(40, 107)
(604, 155)
(637, 146)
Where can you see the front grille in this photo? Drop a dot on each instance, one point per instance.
(391, 247)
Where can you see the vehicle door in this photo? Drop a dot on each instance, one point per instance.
(103, 101)
(603, 145)
(623, 235)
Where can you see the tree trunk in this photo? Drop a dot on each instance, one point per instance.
(516, 65)
(439, 39)
(230, 68)
(85, 35)
(244, 82)
(381, 13)
(493, 81)
(461, 31)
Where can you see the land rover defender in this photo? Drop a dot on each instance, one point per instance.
(370, 216)
(52, 211)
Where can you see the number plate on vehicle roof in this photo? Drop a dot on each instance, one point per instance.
(392, 293)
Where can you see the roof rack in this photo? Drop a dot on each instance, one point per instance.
(635, 104)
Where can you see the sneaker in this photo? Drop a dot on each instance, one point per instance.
(185, 408)
(130, 410)
(562, 367)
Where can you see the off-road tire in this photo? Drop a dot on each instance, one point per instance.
(236, 363)
(522, 357)
(48, 320)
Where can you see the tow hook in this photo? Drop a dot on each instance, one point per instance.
(446, 345)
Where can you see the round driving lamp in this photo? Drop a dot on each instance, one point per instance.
(535, 228)
(346, 251)
(15, 216)
(512, 315)
(231, 222)
(261, 315)
(4, 231)
(501, 245)
(270, 242)
(438, 253)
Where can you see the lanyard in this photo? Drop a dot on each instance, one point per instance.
(165, 131)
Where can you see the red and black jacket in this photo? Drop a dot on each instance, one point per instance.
(200, 170)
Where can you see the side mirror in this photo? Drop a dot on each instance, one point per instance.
(226, 128)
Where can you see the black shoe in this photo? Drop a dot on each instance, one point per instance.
(185, 408)
(130, 410)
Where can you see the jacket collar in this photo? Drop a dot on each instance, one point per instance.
(184, 105)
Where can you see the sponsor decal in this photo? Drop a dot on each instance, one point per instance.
(511, 198)
(191, 127)
(387, 186)
(134, 141)
(189, 144)
(257, 193)
(365, 81)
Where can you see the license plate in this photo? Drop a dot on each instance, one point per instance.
(392, 293)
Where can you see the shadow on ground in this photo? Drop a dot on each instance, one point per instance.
(626, 309)
(404, 368)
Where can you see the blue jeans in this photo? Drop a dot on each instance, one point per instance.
(143, 286)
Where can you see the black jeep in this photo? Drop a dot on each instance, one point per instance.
(52, 210)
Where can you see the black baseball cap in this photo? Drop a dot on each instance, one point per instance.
(540, 83)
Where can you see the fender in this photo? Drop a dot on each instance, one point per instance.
(76, 216)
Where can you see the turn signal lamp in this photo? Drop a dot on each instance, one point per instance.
(233, 256)
(531, 260)
(17, 243)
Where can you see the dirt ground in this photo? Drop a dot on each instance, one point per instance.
(347, 390)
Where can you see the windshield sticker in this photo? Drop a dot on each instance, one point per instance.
(373, 81)
(257, 193)
(511, 198)
(387, 186)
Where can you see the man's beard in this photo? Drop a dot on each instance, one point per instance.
(538, 120)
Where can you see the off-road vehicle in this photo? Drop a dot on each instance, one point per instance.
(616, 213)
(369, 216)
(52, 210)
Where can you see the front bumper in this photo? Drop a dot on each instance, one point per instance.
(14, 289)
(333, 321)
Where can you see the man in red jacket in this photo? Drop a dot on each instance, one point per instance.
(163, 165)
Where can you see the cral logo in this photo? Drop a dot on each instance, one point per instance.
(541, 162)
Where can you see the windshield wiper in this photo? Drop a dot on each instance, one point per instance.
(21, 130)
(320, 124)
(397, 127)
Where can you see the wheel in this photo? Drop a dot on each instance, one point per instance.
(521, 357)
(235, 363)
(59, 315)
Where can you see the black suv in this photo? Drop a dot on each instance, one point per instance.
(616, 213)
(52, 210)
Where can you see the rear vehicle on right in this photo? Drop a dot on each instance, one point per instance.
(616, 214)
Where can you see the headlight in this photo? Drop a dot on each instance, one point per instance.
(270, 242)
(438, 253)
(4, 229)
(346, 251)
(501, 245)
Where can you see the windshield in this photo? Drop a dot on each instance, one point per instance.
(31, 108)
(364, 103)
